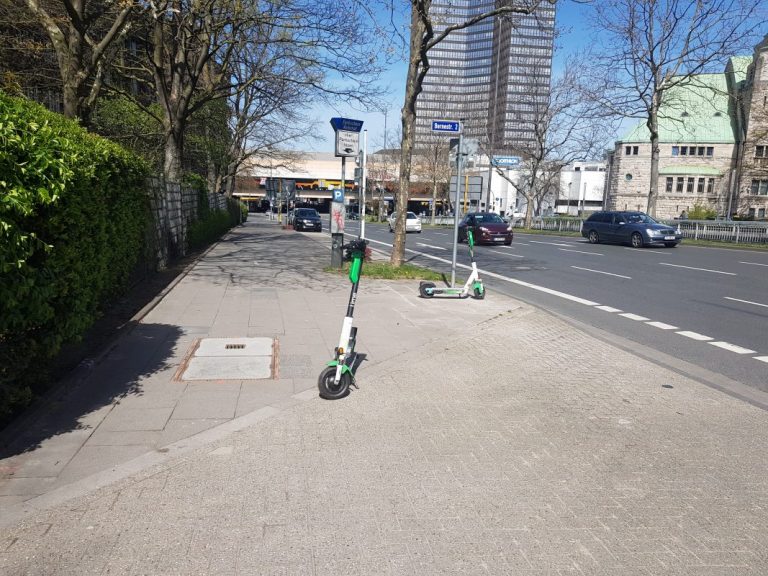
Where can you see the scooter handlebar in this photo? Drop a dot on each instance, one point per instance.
(358, 245)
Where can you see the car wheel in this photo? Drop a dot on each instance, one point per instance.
(593, 237)
(418, 231)
(328, 388)
(670, 244)
(636, 239)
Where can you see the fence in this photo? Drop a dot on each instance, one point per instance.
(732, 232)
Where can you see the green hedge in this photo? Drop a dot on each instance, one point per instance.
(73, 217)
(213, 224)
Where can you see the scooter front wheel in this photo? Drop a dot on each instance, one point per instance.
(328, 388)
(426, 289)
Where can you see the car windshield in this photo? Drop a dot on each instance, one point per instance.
(639, 218)
(411, 216)
(306, 212)
(488, 218)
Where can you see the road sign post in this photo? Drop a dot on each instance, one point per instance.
(347, 144)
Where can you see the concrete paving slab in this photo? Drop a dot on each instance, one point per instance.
(229, 368)
(126, 418)
(234, 347)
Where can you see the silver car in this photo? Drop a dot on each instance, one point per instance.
(412, 222)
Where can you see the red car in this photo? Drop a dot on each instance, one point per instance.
(487, 228)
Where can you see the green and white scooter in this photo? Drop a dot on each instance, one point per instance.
(336, 378)
(473, 286)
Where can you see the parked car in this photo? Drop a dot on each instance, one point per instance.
(412, 222)
(487, 228)
(635, 228)
(307, 219)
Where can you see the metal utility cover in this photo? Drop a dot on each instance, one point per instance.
(231, 359)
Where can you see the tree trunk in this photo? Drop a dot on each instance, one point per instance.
(653, 127)
(408, 120)
(434, 200)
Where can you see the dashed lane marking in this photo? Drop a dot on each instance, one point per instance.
(694, 336)
(608, 308)
(430, 246)
(701, 269)
(549, 243)
(732, 347)
(600, 272)
(635, 317)
(762, 358)
(581, 252)
(662, 325)
(753, 263)
(746, 301)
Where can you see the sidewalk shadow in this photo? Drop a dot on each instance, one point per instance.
(95, 384)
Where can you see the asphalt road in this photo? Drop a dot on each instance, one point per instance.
(694, 309)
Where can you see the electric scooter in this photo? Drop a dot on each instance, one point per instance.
(336, 378)
(473, 285)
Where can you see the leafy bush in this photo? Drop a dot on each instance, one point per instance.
(213, 224)
(701, 212)
(73, 215)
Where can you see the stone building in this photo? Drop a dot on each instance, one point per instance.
(713, 139)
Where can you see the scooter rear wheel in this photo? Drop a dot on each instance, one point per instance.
(328, 388)
(426, 289)
(479, 293)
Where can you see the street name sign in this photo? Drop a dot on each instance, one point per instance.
(506, 161)
(449, 126)
(346, 124)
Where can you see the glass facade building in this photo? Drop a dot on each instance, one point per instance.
(492, 74)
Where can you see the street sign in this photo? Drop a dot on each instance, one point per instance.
(346, 124)
(506, 161)
(449, 126)
(347, 143)
(338, 195)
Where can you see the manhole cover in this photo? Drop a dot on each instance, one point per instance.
(231, 359)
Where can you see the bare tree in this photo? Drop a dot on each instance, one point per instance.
(644, 49)
(424, 37)
(566, 128)
(432, 166)
(83, 33)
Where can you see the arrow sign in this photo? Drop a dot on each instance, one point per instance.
(508, 161)
(346, 124)
(450, 126)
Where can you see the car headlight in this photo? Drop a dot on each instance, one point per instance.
(308, 222)
(483, 229)
(652, 232)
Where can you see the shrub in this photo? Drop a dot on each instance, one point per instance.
(701, 212)
(73, 214)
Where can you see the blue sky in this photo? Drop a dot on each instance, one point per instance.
(571, 19)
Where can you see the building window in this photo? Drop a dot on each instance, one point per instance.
(710, 151)
(751, 213)
(669, 184)
(675, 150)
(683, 150)
(700, 150)
(760, 187)
(710, 185)
(679, 187)
(761, 213)
(627, 150)
(689, 188)
(700, 188)
(761, 151)
(628, 177)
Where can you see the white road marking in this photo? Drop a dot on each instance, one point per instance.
(753, 263)
(732, 347)
(702, 269)
(430, 246)
(581, 252)
(694, 336)
(662, 325)
(746, 301)
(636, 317)
(549, 243)
(599, 272)
(507, 254)
(442, 233)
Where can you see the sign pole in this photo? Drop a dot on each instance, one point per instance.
(459, 161)
(360, 201)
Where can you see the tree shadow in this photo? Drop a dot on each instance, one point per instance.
(96, 383)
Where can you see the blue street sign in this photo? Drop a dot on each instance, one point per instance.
(338, 195)
(450, 126)
(346, 124)
(508, 161)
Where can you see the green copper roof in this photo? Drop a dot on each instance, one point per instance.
(692, 113)
(689, 171)
(739, 65)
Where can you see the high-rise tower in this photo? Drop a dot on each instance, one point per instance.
(491, 74)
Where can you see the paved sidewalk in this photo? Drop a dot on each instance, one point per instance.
(485, 438)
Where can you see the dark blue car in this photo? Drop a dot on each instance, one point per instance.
(635, 228)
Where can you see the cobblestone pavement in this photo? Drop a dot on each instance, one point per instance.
(525, 448)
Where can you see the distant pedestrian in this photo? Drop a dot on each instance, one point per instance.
(683, 215)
